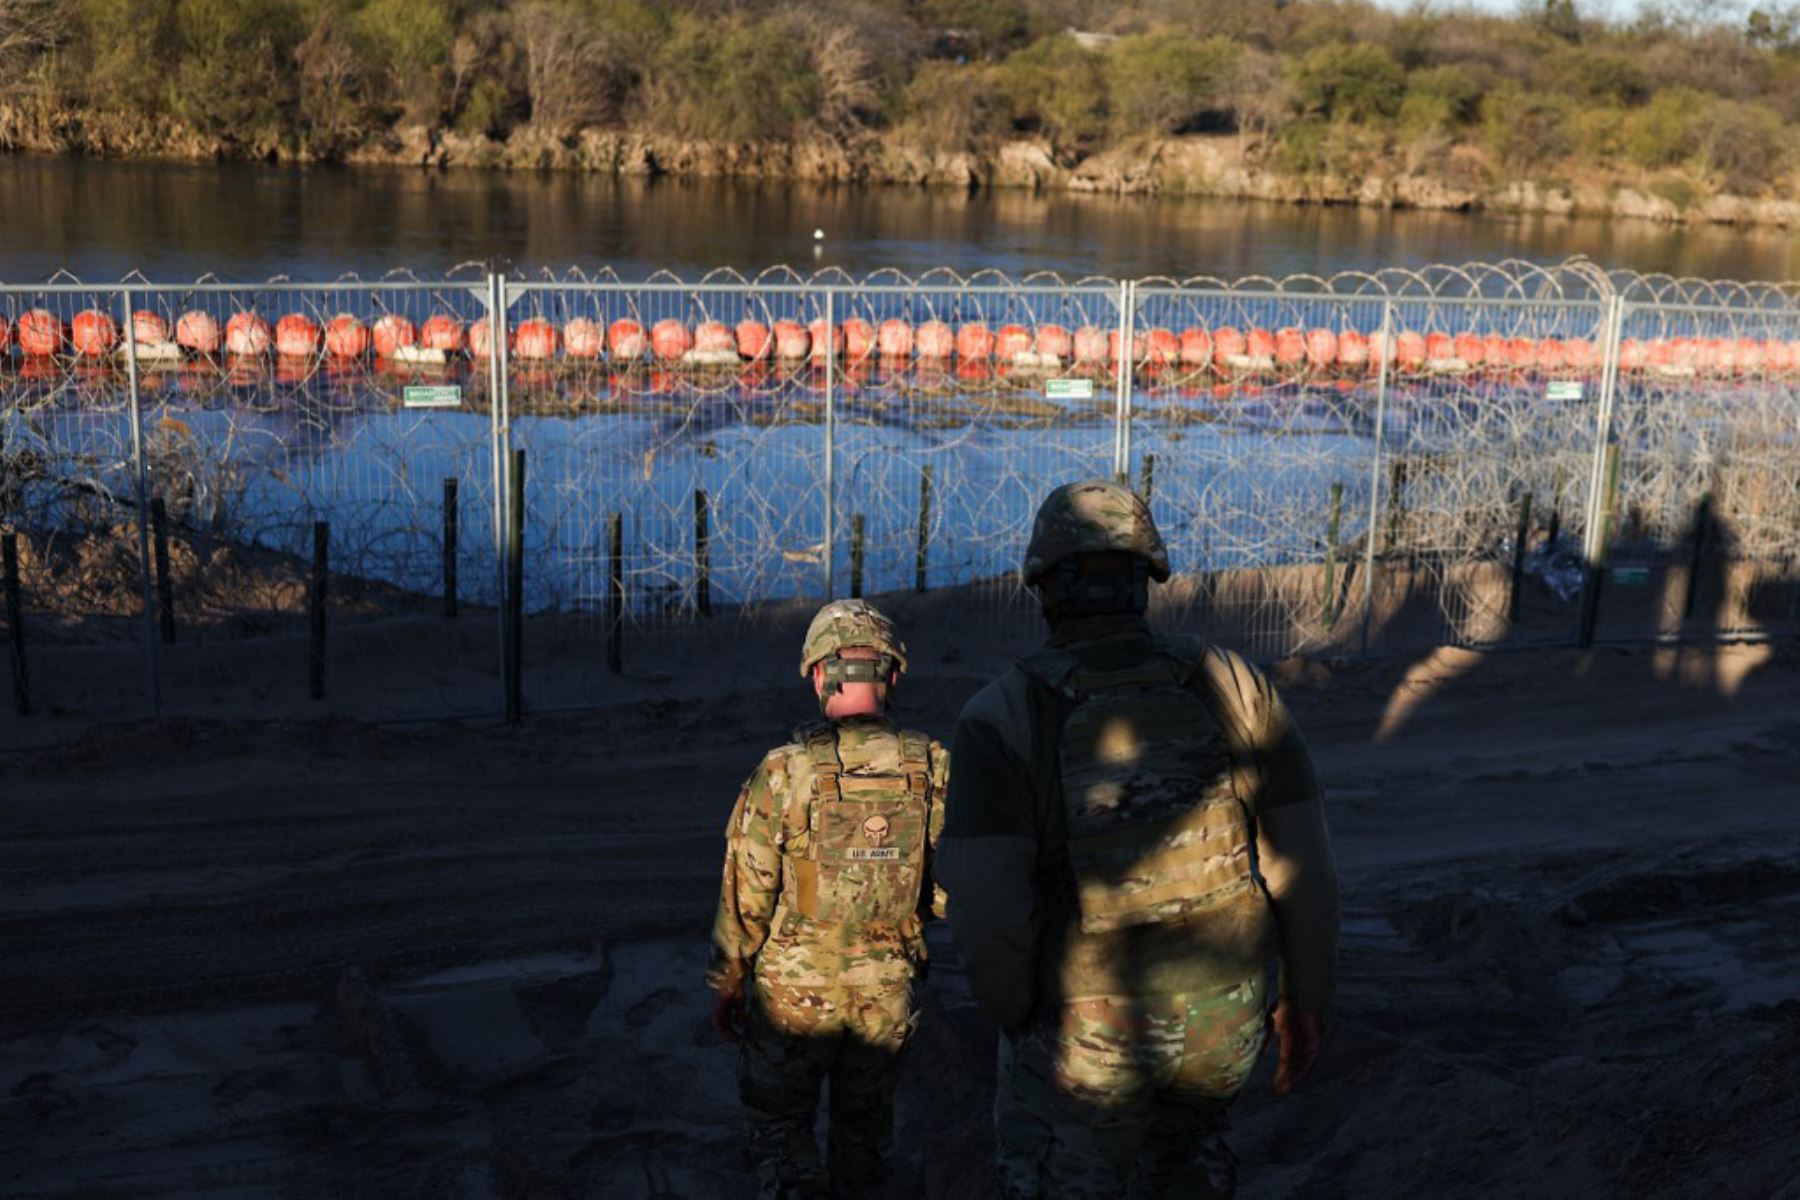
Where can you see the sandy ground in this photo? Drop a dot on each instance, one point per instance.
(326, 958)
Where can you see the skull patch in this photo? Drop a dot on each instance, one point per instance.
(875, 830)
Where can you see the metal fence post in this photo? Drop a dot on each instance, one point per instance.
(830, 449)
(1594, 535)
(152, 646)
(1381, 377)
(1122, 384)
(497, 418)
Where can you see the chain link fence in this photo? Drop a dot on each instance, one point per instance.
(418, 497)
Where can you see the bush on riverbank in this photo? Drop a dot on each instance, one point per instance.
(1311, 87)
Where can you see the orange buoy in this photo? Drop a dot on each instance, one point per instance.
(93, 333)
(346, 337)
(441, 331)
(1439, 347)
(792, 340)
(536, 340)
(1521, 354)
(147, 328)
(1494, 351)
(1162, 346)
(1088, 345)
(935, 340)
(714, 337)
(1718, 355)
(1055, 341)
(583, 338)
(1633, 355)
(895, 339)
(1195, 347)
(859, 339)
(1353, 350)
(625, 340)
(1469, 348)
(670, 339)
(393, 331)
(40, 333)
(1410, 350)
(481, 339)
(247, 334)
(1749, 356)
(1228, 344)
(1321, 348)
(1137, 346)
(1012, 341)
(974, 342)
(1552, 355)
(1778, 356)
(754, 341)
(296, 337)
(197, 331)
(825, 342)
(1290, 346)
(1579, 354)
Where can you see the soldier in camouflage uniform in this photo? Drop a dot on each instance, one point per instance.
(1135, 831)
(827, 885)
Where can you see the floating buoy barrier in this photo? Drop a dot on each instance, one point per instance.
(583, 338)
(754, 341)
(894, 339)
(296, 337)
(346, 337)
(247, 335)
(40, 333)
(1012, 341)
(93, 334)
(975, 343)
(669, 340)
(935, 340)
(536, 339)
(625, 340)
(715, 339)
(826, 342)
(148, 328)
(1054, 341)
(481, 339)
(198, 332)
(441, 331)
(393, 333)
(859, 339)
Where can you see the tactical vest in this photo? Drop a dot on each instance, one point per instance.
(1157, 833)
(856, 856)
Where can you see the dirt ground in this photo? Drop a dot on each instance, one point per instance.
(326, 958)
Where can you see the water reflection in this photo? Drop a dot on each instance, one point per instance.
(176, 220)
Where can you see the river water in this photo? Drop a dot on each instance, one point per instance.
(175, 221)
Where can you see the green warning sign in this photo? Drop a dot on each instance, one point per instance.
(443, 395)
(1631, 576)
(1563, 389)
(1068, 389)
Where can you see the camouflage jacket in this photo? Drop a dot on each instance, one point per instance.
(1005, 857)
(847, 864)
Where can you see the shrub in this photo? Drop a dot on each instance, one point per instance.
(1601, 76)
(1664, 132)
(733, 78)
(407, 43)
(955, 106)
(129, 43)
(1746, 145)
(995, 27)
(233, 80)
(1057, 87)
(1355, 82)
(1441, 98)
(1165, 81)
(1525, 129)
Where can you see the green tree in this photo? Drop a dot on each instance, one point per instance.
(408, 44)
(233, 80)
(1165, 81)
(735, 78)
(1357, 82)
(1666, 131)
(1526, 129)
(1059, 88)
(128, 44)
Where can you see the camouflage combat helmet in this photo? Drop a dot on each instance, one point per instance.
(845, 623)
(1094, 516)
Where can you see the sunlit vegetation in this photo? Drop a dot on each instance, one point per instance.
(1689, 101)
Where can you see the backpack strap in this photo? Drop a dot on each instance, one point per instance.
(915, 760)
(828, 767)
(1215, 676)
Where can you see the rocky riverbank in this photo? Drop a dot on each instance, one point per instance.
(1461, 179)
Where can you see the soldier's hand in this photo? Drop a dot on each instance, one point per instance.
(729, 1013)
(1299, 1034)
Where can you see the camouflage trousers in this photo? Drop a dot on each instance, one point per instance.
(1125, 1096)
(806, 1027)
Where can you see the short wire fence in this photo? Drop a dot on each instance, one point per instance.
(440, 487)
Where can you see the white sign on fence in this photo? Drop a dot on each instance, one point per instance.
(1563, 389)
(443, 395)
(1068, 389)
